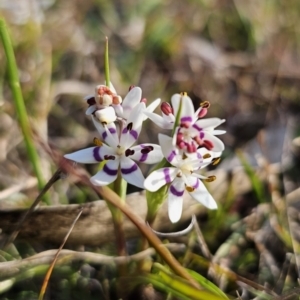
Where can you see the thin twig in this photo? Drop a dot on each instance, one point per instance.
(49, 272)
(201, 240)
(11, 268)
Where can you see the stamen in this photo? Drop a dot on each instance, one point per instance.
(91, 101)
(147, 149)
(206, 155)
(144, 100)
(131, 87)
(216, 160)
(129, 152)
(109, 157)
(129, 126)
(191, 148)
(205, 104)
(189, 189)
(210, 178)
(208, 144)
(166, 108)
(97, 142)
(183, 94)
(202, 113)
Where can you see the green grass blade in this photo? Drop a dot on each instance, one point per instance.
(19, 104)
(255, 182)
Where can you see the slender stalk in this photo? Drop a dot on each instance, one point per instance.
(20, 106)
(119, 186)
(106, 64)
(111, 197)
(51, 267)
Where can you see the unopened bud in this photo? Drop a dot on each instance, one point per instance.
(166, 108)
(106, 115)
(116, 100)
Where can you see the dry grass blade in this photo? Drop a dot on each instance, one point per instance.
(49, 272)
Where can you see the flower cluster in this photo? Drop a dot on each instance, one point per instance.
(193, 146)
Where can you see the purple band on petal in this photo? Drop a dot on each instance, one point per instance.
(111, 130)
(197, 127)
(167, 175)
(195, 186)
(175, 192)
(186, 119)
(110, 172)
(201, 134)
(143, 157)
(171, 156)
(129, 170)
(96, 153)
(132, 133)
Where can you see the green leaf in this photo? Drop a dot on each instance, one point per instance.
(204, 282)
(183, 287)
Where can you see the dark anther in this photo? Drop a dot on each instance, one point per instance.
(129, 126)
(147, 149)
(91, 101)
(109, 157)
(129, 152)
(131, 87)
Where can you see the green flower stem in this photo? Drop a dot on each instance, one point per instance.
(106, 64)
(20, 106)
(119, 186)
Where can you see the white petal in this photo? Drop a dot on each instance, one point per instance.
(118, 109)
(131, 172)
(187, 108)
(106, 115)
(218, 145)
(132, 99)
(209, 124)
(107, 175)
(131, 133)
(218, 132)
(168, 150)
(175, 100)
(86, 156)
(159, 178)
(175, 200)
(100, 127)
(152, 157)
(151, 107)
(204, 197)
(110, 136)
(159, 120)
(90, 109)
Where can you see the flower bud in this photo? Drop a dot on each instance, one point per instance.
(166, 108)
(106, 115)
